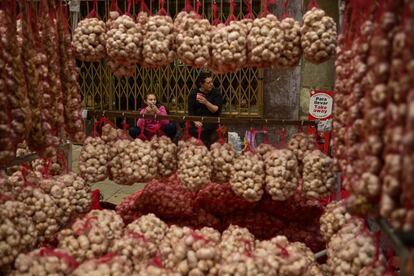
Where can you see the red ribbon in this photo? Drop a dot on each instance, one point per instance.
(106, 258)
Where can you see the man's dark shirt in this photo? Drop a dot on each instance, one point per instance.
(197, 109)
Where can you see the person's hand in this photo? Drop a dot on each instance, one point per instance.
(198, 124)
(201, 99)
(148, 109)
(155, 109)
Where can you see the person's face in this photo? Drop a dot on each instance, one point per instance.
(207, 84)
(151, 100)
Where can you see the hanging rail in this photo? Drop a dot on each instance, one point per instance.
(230, 120)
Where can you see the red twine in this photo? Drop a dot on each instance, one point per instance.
(162, 10)
(129, 8)
(252, 133)
(283, 137)
(199, 132)
(188, 7)
(187, 130)
(216, 20)
(231, 16)
(266, 5)
(312, 4)
(144, 7)
(157, 261)
(93, 12)
(220, 135)
(285, 9)
(249, 14)
(266, 137)
(44, 252)
(198, 6)
(106, 258)
(86, 225)
(283, 250)
(95, 198)
(141, 126)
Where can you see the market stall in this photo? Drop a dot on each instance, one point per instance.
(276, 206)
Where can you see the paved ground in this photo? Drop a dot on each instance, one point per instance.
(111, 191)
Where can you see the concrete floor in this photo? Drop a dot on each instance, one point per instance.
(111, 191)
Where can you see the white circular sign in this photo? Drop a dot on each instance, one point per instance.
(320, 105)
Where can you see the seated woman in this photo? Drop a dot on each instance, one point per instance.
(150, 126)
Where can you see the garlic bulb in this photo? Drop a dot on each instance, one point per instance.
(318, 36)
(89, 39)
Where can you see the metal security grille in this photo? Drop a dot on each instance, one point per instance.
(242, 91)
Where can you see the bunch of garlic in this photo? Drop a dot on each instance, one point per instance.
(265, 41)
(351, 249)
(93, 160)
(236, 240)
(81, 200)
(301, 144)
(170, 248)
(247, 178)
(136, 161)
(263, 150)
(193, 41)
(166, 154)
(222, 156)
(318, 175)
(152, 228)
(159, 42)
(333, 219)
(43, 210)
(228, 47)
(282, 174)
(194, 164)
(318, 36)
(92, 235)
(292, 50)
(44, 262)
(201, 255)
(124, 44)
(89, 39)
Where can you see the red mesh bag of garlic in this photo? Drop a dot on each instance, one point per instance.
(140, 240)
(168, 199)
(40, 138)
(135, 161)
(92, 235)
(89, 37)
(166, 154)
(222, 157)
(333, 219)
(292, 50)
(318, 35)
(45, 261)
(15, 119)
(247, 178)
(318, 175)
(352, 249)
(74, 125)
(159, 40)
(282, 174)
(228, 45)
(193, 37)
(124, 41)
(191, 251)
(265, 40)
(220, 199)
(194, 164)
(129, 208)
(93, 158)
